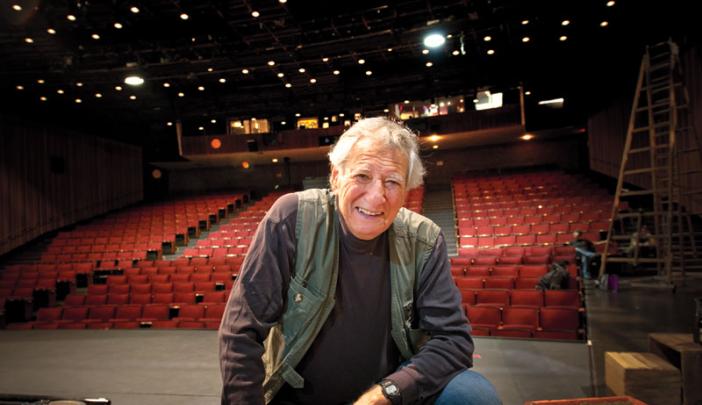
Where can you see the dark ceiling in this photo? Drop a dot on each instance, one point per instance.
(203, 57)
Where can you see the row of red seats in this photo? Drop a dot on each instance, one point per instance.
(198, 316)
(532, 297)
(525, 322)
(170, 297)
(536, 228)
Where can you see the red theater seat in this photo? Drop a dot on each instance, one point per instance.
(527, 298)
(558, 323)
(518, 322)
(483, 320)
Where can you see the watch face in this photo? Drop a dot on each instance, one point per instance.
(392, 390)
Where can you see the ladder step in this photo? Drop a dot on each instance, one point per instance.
(646, 170)
(648, 128)
(632, 260)
(634, 193)
(648, 149)
(659, 88)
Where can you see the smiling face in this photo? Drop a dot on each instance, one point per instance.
(371, 189)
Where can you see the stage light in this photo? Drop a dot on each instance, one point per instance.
(434, 40)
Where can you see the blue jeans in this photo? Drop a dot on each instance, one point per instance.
(468, 388)
(585, 257)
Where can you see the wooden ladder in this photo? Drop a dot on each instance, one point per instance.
(659, 136)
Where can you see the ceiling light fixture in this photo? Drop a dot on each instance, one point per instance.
(78, 101)
(118, 25)
(169, 123)
(525, 22)
(425, 51)
(79, 84)
(563, 38)
(214, 121)
(210, 70)
(282, 1)
(245, 71)
(271, 63)
(288, 85)
(526, 39)
(565, 23)
(51, 31)
(134, 9)
(134, 80)
(201, 128)
(132, 97)
(428, 64)
(487, 38)
(297, 114)
(222, 80)
(407, 101)
(59, 91)
(17, 7)
(29, 40)
(558, 100)
(313, 80)
(43, 98)
(435, 147)
(491, 52)
(181, 94)
(275, 160)
(301, 70)
(368, 72)
(281, 74)
(610, 3)
(19, 87)
(325, 59)
(118, 88)
(527, 93)
(98, 95)
(361, 61)
(166, 84)
(434, 40)
(184, 16)
(255, 14)
(526, 137)
(455, 52)
(201, 88)
(40, 81)
(336, 73)
(389, 49)
(71, 17)
(95, 36)
(604, 24)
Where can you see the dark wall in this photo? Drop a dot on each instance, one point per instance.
(50, 178)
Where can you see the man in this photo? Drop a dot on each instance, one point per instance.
(352, 293)
(587, 252)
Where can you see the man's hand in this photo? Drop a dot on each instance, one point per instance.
(373, 396)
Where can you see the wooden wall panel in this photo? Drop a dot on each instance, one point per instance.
(98, 176)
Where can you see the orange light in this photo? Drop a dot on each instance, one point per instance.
(245, 164)
(527, 137)
(156, 174)
(216, 143)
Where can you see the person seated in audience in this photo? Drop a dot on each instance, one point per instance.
(642, 240)
(587, 252)
(556, 278)
(346, 297)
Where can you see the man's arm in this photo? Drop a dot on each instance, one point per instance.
(256, 303)
(450, 348)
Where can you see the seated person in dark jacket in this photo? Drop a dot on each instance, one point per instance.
(346, 297)
(587, 252)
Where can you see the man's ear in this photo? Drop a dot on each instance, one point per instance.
(334, 178)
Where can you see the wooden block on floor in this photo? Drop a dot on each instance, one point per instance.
(644, 376)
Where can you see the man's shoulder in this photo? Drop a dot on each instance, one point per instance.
(284, 207)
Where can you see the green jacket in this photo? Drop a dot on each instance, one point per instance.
(312, 291)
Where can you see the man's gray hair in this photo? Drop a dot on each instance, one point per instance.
(388, 132)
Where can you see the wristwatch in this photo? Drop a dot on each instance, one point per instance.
(391, 392)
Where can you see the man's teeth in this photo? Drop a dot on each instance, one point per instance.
(366, 212)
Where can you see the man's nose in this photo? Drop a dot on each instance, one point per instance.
(377, 190)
